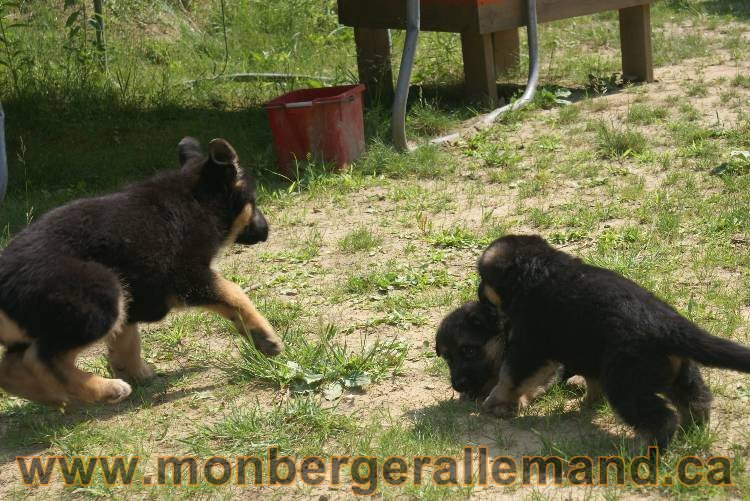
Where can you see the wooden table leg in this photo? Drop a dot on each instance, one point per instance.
(507, 49)
(374, 63)
(635, 43)
(479, 66)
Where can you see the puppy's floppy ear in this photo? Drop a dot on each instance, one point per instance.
(488, 297)
(221, 152)
(187, 149)
(482, 316)
(476, 318)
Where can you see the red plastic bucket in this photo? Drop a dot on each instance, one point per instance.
(326, 123)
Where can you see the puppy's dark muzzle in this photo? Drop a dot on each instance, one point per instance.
(256, 232)
(461, 385)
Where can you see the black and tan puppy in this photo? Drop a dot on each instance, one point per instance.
(96, 268)
(604, 327)
(472, 341)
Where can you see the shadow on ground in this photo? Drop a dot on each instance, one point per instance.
(564, 433)
(30, 428)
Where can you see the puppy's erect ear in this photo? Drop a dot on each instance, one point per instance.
(187, 149)
(222, 153)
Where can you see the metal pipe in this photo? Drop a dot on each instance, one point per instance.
(531, 85)
(398, 117)
(3, 157)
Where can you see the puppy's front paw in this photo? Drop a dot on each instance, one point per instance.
(138, 373)
(116, 390)
(268, 343)
(579, 381)
(500, 409)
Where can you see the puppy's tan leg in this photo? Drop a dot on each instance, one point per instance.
(235, 306)
(57, 381)
(594, 393)
(503, 399)
(506, 397)
(537, 384)
(82, 385)
(125, 355)
(40, 386)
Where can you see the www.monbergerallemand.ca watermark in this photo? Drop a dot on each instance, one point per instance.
(364, 475)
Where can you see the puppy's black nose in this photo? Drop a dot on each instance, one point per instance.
(460, 384)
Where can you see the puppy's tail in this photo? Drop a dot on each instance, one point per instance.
(697, 344)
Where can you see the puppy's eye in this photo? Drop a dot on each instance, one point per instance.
(470, 351)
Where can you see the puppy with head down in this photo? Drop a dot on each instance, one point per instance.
(472, 340)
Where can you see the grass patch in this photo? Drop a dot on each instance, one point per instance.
(404, 278)
(359, 239)
(641, 114)
(318, 362)
(741, 81)
(613, 143)
(297, 427)
(697, 89)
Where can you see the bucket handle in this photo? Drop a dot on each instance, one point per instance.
(310, 104)
(301, 104)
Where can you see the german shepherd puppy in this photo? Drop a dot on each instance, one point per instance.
(96, 268)
(614, 333)
(472, 340)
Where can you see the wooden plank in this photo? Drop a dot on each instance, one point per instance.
(635, 43)
(374, 64)
(479, 67)
(452, 16)
(457, 16)
(506, 14)
(507, 49)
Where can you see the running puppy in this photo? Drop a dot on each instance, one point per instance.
(96, 268)
(617, 335)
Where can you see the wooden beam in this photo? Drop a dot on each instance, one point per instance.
(374, 63)
(507, 49)
(635, 43)
(479, 67)
(457, 16)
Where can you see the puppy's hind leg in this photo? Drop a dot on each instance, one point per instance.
(594, 393)
(78, 384)
(17, 378)
(85, 302)
(56, 381)
(124, 353)
(692, 396)
(635, 389)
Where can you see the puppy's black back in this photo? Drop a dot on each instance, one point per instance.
(587, 311)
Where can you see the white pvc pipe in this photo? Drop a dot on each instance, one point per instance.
(3, 157)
